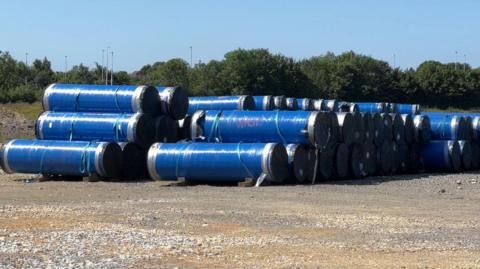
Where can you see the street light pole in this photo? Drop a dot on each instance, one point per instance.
(106, 69)
(111, 73)
(191, 57)
(66, 67)
(103, 62)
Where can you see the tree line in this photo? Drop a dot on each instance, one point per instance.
(348, 76)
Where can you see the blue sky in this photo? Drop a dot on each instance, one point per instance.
(141, 32)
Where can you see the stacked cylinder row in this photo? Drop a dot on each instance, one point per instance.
(139, 131)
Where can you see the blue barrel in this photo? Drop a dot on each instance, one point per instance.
(101, 98)
(447, 126)
(441, 155)
(217, 162)
(240, 102)
(421, 129)
(306, 104)
(412, 109)
(280, 102)
(286, 127)
(173, 101)
(139, 128)
(65, 158)
(292, 103)
(297, 163)
(372, 107)
(264, 102)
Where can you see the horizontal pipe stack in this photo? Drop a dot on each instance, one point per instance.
(131, 132)
(100, 131)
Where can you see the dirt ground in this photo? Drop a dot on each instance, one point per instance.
(421, 221)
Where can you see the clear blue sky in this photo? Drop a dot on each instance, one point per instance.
(142, 32)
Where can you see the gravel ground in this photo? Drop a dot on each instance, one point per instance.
(421, 221)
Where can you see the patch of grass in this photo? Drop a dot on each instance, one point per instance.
(31, 111)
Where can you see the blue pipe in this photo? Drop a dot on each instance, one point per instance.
(264, 102)
(173, 101)
(441, 155)
(447, 126)
(139, 128)
(239, 102)
(331, 105)
(225, 162)
(280, 102)
(412, 109)
(306, 104)
(101, 98)
(286, 127)
(292, 103)
(66, 158)
(372, 107)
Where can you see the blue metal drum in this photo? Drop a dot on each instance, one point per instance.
(441, 155)
(286, 127)
(65, 158)
(139, 128)
(264, 102)
(173, 101)
(215, 162)
(240, 102)
(101, 98)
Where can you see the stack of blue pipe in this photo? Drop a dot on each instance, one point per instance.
(455, 142)
(97, 130)
(137, 131)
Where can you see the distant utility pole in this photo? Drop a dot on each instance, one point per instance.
(66, 67)
(456, 59)
(191, 56)
(103, 61)
(106, 69)
(111, 73)
(26, 64)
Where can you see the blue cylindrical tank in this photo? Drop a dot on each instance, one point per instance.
(139, 128)
(441, 155)
(101, 98)
(264, 102)
(447, 126)
(371, 107)
(286, 127)
(239, 102)
(173, 101)
(217, 162)
(66, 158)
(412, 109)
